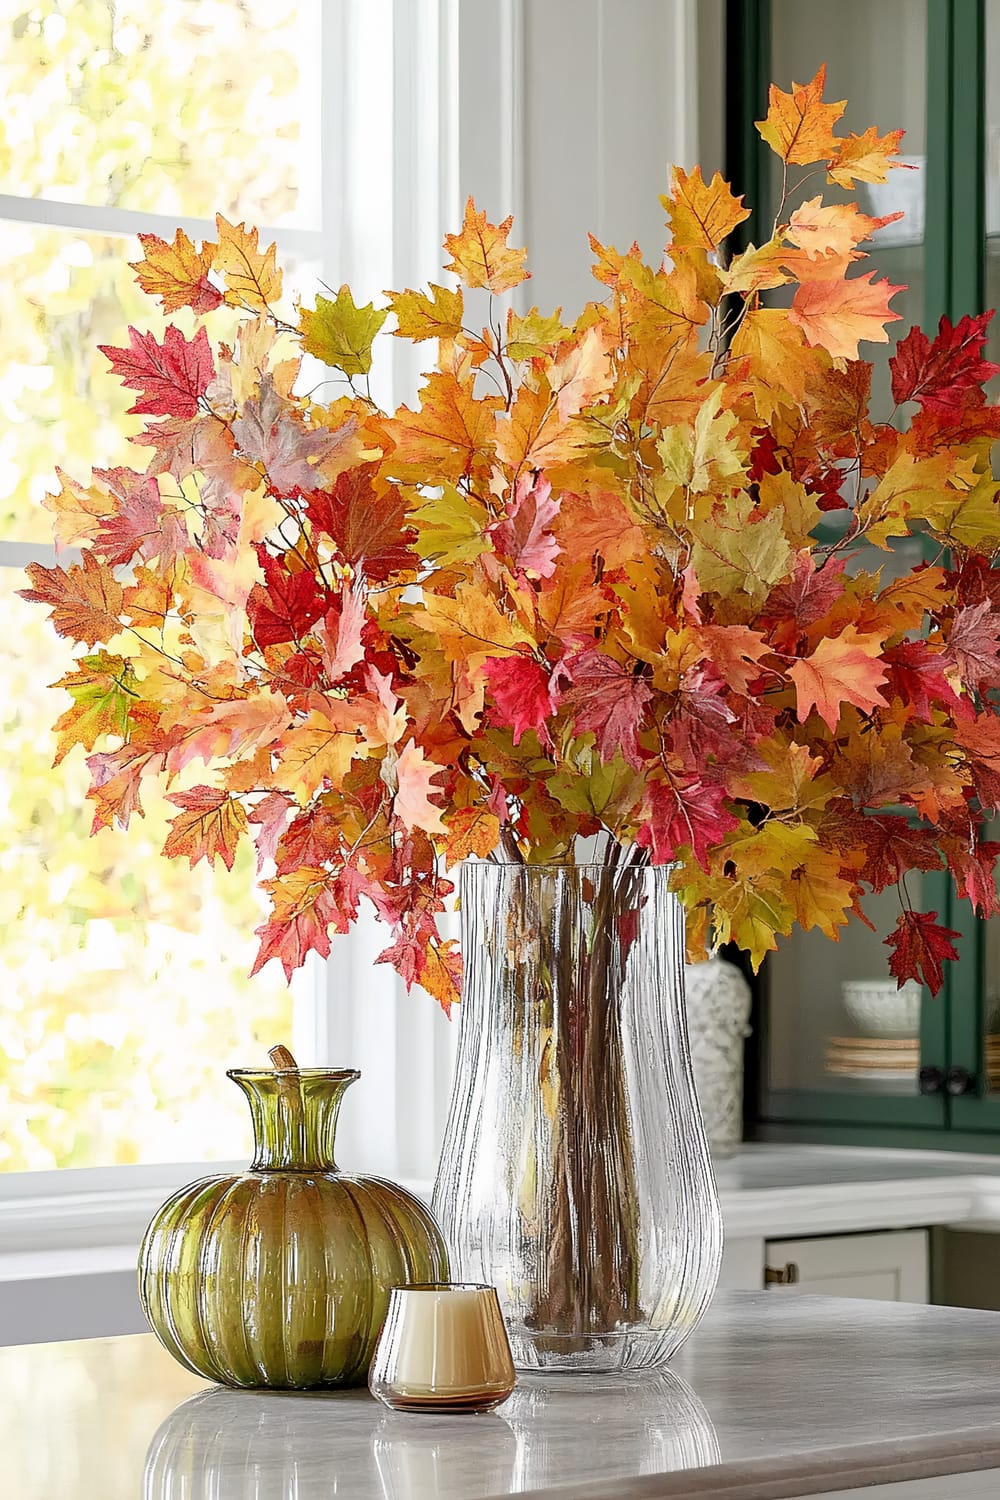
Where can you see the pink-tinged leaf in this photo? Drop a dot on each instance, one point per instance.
(691, 594)
(340, 633)
(233, 729)
(271, 813)
(135, 524)
(290, 452)
(974, 645)
(523, 539)
(525, 694)
(115, 783)
(792, 607)
(608, 700)
(415, 776)
(941, 375)
(920, 948)
(170, 376)
(304, 911)
(692, 816)
(285, 605)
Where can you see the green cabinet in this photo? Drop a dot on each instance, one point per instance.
(837, 1055)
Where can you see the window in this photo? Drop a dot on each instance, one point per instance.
(123, 976)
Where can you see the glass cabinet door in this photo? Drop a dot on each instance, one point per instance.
(841, 1041)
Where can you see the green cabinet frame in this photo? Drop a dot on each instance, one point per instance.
(952, 1026)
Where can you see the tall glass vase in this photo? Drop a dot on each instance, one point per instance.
(575, 1172)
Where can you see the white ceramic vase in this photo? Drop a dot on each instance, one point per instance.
(718, 1009)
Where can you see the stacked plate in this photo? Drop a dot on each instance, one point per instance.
(875, 1059)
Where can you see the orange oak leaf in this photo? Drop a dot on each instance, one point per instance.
(235, 729)
(799, 126)
(842, 669)
(836, 314)
(480, 255)
(211, 823)
(86, 598)
(471, 830)
(920, 948)
(177, 273)
(831, 229)
(450, 427)
(701, 214)
(865, 158)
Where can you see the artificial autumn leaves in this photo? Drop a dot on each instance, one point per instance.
(577, 585)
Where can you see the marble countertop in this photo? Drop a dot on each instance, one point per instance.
(773, 1190)
(770, 1397)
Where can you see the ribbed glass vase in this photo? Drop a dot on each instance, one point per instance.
(575, 1173)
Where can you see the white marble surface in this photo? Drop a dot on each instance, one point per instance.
(770, 1398)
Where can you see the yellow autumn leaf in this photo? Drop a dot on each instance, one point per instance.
(251, 274)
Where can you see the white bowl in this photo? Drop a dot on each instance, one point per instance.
(878, 1008)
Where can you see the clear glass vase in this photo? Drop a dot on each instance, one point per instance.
(575, 1173)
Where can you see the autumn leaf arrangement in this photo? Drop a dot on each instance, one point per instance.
(584, 584)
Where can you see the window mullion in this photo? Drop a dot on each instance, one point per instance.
(100, 219)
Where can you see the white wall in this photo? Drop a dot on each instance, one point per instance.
(575, 125)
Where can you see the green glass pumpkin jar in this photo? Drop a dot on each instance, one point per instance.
(280, 1277)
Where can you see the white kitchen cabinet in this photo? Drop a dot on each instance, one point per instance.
(884, 1267)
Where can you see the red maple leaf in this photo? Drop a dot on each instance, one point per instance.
(936, 428)
(525, 694)
(285, 605)
(972, 862)
(608, 700)
(691, 815)
(974, 580)
(920, 946)
(974, 645)
(916, 677)
(940, 375)
(169, 376)
(891, 844)
(368, 524)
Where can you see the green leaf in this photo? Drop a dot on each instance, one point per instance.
(103, 689)
(340, 333)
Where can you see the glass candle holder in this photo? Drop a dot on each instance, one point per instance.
(444, 1348)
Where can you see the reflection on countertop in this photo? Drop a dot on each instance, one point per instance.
(824, 1392)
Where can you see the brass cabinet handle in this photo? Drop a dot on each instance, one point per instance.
(786, 1275)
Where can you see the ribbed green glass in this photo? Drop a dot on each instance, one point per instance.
(281, 1276)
